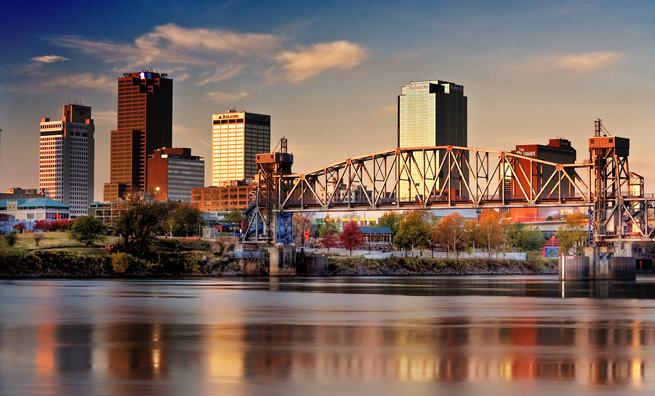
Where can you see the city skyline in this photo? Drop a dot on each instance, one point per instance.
(329, 74)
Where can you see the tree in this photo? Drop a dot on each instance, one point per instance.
(572, 231)
(491, 229)
(392, 220)
(413, 230)
(185, 220)
(87, 230)
(352, 237)
(37, 236)
(449, 231)
(41, 225)
(329, 240)
(327, 224)
(301, 223)
(140, 224)
(235, 216)
(11, 239)
(20, 227)
(531, 239)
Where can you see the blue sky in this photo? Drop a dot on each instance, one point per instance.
(329, 73)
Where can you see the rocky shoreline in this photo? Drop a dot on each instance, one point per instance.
(63, 264)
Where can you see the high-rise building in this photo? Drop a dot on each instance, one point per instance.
(66, 158)
(431, 113)
(145, 123)
(173, 172)
(237, 136)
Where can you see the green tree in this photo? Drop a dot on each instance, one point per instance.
(572, 231)
(235, 216)
(140, 224)
(449, 232)
(413, 231)
(351, 237)
(11, 239)
(185, 220)
(87, 230)
(327, 224)
(531, 239)
(392, 220)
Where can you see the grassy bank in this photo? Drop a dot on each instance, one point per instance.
(359, 266)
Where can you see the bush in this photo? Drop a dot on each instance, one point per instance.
(11, 239)
(120, 262)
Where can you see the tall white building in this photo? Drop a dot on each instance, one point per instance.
(66, 159)
(237, 136)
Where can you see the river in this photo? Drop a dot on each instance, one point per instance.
(487, 335)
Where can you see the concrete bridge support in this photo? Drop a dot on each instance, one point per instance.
(600, 263)
(282, 260)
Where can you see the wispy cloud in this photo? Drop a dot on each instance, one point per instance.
(103, 116)
(387, 110)
(222, 97)
(83, 80)
(198, 51)
(49, 59)
(222, 74)
(578, 63)
(308, 62)
(590, 61)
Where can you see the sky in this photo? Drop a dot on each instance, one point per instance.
(329, 73)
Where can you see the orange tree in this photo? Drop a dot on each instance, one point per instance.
(491, 230)
(449, 232)
(351, 237)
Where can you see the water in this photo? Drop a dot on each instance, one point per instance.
(343, 336)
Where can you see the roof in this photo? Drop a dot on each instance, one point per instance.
(376, 230)
(32, 202)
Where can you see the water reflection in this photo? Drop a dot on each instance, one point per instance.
(126, 340)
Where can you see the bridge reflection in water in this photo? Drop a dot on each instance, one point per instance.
(420, 335)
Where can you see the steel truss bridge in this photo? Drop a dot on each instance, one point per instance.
(440, 177)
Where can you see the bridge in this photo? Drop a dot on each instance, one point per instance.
(440, 177)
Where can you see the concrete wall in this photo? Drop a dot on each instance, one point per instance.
(419, 253)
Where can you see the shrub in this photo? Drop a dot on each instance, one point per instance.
(120, 262)
(11, 239)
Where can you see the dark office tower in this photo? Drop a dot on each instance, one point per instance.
(431, 113)
(145, 123)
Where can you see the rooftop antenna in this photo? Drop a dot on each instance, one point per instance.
(599, 129)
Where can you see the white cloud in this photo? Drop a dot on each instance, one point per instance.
(222, 97)
(578, 63)
(49, 59)
(103, 116)
(82, 80)
(308, 62)
(222, 74)
(387, 110)
(590, 61)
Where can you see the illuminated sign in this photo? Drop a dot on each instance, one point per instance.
(526, 153)
(414, 87)
(226, 116)
(145, 75)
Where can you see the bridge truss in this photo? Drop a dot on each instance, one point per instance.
(424, 178)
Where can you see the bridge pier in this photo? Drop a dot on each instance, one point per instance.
(282, 260)
(600, 263)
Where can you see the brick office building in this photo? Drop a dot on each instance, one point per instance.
(173, 172)
(145, 123)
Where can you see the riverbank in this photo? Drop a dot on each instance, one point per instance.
(94, 264)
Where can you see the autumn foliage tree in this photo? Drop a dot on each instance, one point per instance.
(351, 237)
(449, 232)
(491, 229)
(572, 231)
(329, 240)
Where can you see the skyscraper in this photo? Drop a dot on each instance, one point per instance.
(236, 138)
(431, 113)
(66, 158)
(145, 123)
